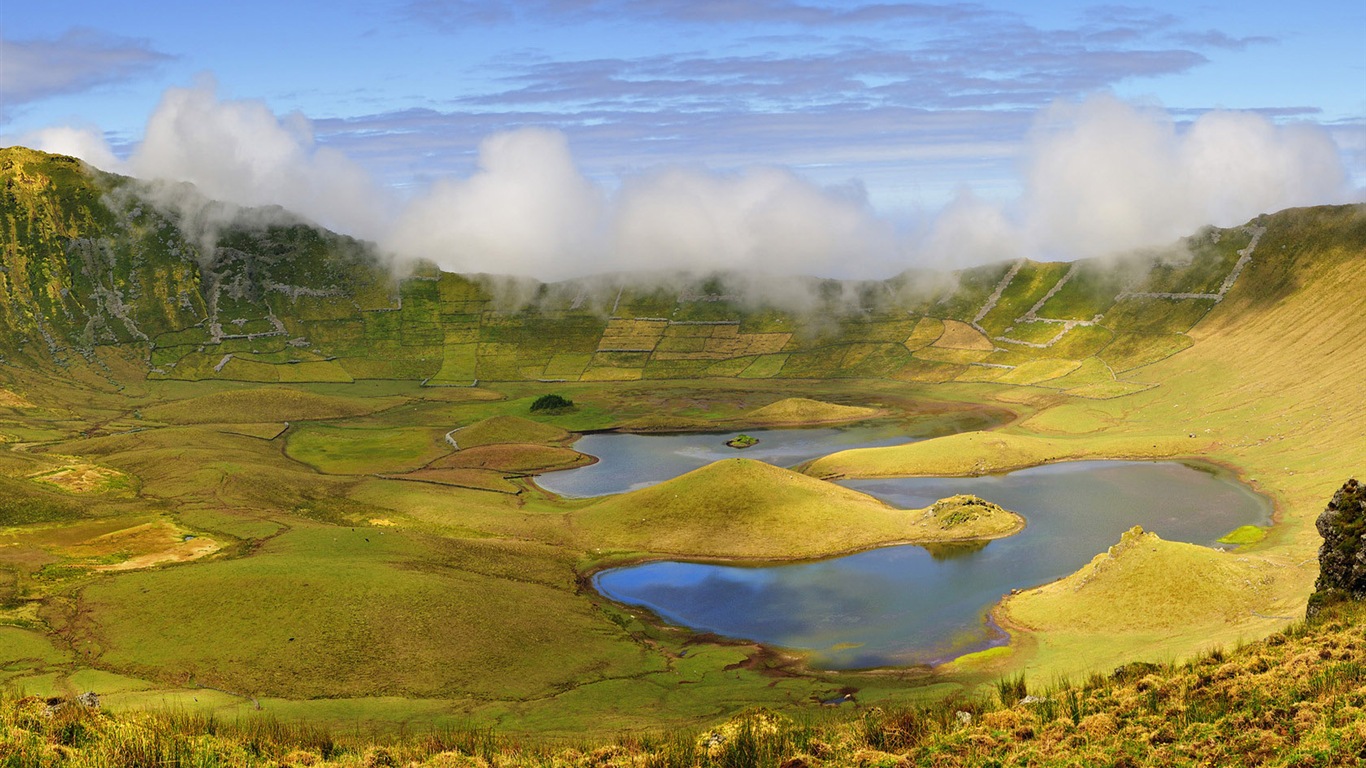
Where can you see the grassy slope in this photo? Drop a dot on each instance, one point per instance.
(976, 453)
(512, 458)
(740, 508)
(1271, 387)
(1152, 591)
(360, 450)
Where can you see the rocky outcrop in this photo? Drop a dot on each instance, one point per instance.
(1342, 558)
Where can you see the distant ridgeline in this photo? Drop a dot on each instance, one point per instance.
(205, 291)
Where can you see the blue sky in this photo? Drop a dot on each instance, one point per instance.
(913, 101)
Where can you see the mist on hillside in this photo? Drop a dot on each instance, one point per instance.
(1097, 177)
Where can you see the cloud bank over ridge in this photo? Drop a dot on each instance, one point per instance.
(1105, 176)
(1096, 177)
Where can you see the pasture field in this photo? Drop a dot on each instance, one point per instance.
(266, 404)
(346, 450)
(512, 458)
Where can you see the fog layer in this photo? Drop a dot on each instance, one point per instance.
(1096, 177)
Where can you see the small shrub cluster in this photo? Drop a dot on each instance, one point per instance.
(742, 441)
(551, 404)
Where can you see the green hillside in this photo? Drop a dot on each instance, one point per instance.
(95, 264)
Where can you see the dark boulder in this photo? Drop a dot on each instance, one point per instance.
(1342, 558)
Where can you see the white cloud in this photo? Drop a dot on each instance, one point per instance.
(1105, 176)
(88, 144)
(1097, 177)
(239, 151)
(761, 219)
(970, 230)
(1239, 162)
(77, 61)
(527, 210)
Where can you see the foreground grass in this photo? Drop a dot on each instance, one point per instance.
(1296, 699)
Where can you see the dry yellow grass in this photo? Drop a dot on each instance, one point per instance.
(1037, 371)
(976, 374)
(508, 429)
(801, 410)
(478, 479)
(1106, 390)
(925, 333)
(142, 546)
(181, 551)
(267, 404)
(1146, 583)
(263, 430)
(612, 374)
(952, 356)
(84, 478)
(665, 423)
(960, 335)
(9, 399)
(512, 458)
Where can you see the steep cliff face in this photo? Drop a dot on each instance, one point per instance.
(1342, 558)
(91, 259)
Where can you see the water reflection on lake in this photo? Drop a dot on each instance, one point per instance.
(903, 605)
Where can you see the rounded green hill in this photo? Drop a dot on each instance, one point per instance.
(741, 508)
(508, 429)
(802, 410)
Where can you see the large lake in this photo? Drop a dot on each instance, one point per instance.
(908, 604)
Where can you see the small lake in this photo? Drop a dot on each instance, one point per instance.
(908, 604)
(627, 462)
